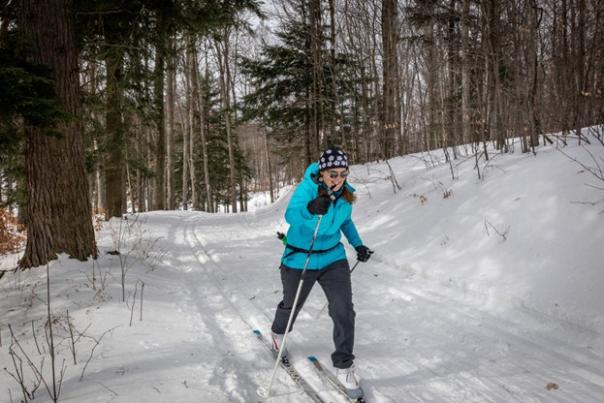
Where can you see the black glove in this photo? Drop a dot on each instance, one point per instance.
(320, 205)
(363, 253)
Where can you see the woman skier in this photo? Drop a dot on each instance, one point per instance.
(324, 192)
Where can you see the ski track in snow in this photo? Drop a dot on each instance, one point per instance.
(245, 317)
(445, 350)
(422, 336)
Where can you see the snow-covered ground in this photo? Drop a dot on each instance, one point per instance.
(479, 291)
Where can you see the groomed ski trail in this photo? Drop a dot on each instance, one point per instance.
(240, 316)
(416, 341)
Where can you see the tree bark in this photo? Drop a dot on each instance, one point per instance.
(170, 133)
(391, 107)
(159, 73)
(225, 83)
(114, 144)
(333, 102)
(465, 72)
(58, 201)
(316, 44)
(203, 96)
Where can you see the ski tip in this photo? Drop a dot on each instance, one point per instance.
(257, 332)
(312, 358)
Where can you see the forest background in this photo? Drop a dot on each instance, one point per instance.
(115, 106)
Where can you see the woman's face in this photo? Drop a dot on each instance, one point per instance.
(334, 178)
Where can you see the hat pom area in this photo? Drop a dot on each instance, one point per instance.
(333, 157)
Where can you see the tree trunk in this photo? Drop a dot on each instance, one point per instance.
(196, 117)
(431, 78)
(465, 72)
(159, 73)
(225, 83)
(114, 144)
(170, 134)
(579, 89)
(316, 42)
(203, 96)
(141, 145)
(58, 202)
(188, 129)
(333, 102)
(269, 167)
(391, 108)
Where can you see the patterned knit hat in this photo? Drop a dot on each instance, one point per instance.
(333, 157)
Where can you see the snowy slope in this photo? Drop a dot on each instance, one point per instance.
(448, 310)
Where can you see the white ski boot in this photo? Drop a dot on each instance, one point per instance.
(349, 378)
(277, 342)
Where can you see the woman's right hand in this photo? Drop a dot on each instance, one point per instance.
(320, 205)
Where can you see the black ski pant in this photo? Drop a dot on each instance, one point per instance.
(335, 281)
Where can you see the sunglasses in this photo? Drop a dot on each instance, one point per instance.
(335, 174)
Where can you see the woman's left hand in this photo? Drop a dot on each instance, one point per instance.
(363, 253)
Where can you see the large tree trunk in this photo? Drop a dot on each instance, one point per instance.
(114, 144)
(391, 112)
(58, 202)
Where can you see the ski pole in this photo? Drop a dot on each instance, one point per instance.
(294, 306)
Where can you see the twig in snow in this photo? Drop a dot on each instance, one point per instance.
(33, 330)
(594, 186)
(395, 186)
(142, 291)
(501, 234)
(82, 334)
(97, 342)
(587, 203)
(73, 348)
(595, 171)
(61, 375)
(112, 391)
(133, 303)
(93, 275)
(18, 375)
(51, 345)
(37, 372)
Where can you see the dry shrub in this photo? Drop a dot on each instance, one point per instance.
(12, 234)
(98, 218)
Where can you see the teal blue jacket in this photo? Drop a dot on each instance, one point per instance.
(302, 225)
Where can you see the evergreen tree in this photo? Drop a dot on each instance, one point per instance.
(282, 81)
